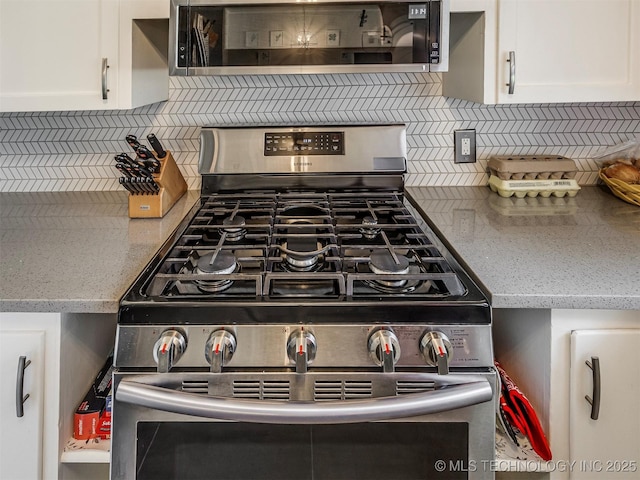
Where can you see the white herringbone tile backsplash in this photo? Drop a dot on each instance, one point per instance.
(73, 151)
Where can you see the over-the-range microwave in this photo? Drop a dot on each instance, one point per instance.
(211, 37)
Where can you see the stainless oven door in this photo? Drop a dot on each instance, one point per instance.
(180, 426)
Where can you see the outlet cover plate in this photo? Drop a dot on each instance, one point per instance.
(464, 142)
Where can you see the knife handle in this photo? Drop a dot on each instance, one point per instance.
(124, 181)
(144, 153)
(156, 145)
(126, 159)
(147, 185)
(138, 182)
(124, 169)
(149, 161)
(151, 185)
(133, 142)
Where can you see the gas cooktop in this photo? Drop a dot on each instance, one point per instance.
(313, 217)
(310, 245)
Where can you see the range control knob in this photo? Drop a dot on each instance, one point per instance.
(301, 349)
(436, 350)
(168, 349)
(219, 349)
(384, 348)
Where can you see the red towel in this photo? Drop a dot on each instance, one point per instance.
(520, 414)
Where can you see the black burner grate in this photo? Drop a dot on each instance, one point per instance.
(304, 244)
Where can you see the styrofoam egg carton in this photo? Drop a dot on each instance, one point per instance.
(534, 188)
(539, 206)
(532, 167)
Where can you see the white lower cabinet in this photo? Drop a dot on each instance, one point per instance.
(65, 353)
(604, 433)
(22, 377)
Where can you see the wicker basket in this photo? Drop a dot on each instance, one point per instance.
(626, 191)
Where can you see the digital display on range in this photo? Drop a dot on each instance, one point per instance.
(303, 143)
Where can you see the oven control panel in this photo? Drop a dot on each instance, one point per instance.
(304, 347)
(303, 143)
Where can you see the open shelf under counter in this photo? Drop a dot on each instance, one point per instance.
(94, 450)
(522, 458)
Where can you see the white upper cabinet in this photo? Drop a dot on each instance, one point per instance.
(544, 51)
(568, 50)
(78, 55)
(52, 52)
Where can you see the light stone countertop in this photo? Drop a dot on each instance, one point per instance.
(79, 252)
(565, 253)
(75, 251)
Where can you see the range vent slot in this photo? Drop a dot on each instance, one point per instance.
(195, 386)
(262, 389)
(326, 390)
(405, 386)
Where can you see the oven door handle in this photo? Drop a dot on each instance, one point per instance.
(293, 412)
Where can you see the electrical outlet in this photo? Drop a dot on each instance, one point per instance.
(464, 146)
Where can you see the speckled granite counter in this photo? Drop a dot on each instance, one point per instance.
(78, 252)
(75, 252)
(576, 253)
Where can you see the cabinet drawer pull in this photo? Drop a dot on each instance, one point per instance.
(512, 72)
(594, 365)
(105, 90)
(23, 363)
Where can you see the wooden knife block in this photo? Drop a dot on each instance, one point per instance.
(172, 187)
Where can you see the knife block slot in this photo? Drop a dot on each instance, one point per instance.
(172, 187)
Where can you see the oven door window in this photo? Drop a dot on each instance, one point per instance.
(234, 451)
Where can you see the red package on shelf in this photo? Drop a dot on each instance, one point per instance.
(103, 429)
(86, 420)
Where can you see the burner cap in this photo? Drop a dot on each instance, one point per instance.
(368, 221)
(233, 224)
(224, 263)
(233, 227)
(369, 227)
(382, 262)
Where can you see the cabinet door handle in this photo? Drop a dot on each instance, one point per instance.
(512, 72)
(23, 363)
(594, 401)
(105, 90)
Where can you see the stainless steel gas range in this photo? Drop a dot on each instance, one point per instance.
(304, 322)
